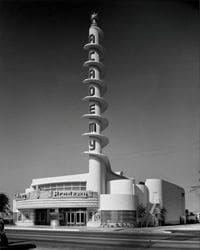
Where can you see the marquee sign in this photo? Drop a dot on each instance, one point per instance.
(55, 195)
(21, 196)
(71, 194)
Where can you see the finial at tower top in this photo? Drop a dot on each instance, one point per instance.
(94, 17)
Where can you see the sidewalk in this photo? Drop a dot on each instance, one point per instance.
(190, 227)
(167, 229)
(161, 229)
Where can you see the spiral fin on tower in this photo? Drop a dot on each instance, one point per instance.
(97, 82)
(97, 99)
(98, 162)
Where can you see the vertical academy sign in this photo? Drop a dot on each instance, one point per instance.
(97, 105)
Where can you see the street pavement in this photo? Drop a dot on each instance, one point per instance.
(168, 237)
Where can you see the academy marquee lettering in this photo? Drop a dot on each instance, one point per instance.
(54, 195)
(92, 145)
(91, 53)
(92, 73)
(91, 38)
(21, 196)
(92, 109)
(68, 194)
(92, 127)
(91, 90)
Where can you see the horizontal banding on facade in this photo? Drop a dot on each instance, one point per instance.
(118, 216)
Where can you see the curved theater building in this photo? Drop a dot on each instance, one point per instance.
(100, 197)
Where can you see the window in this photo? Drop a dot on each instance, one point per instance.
(27, 215)
(63, 186)
(19, 217)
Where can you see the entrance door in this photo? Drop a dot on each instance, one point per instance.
(71, 218)
(76, 217)
(80, 218)
(41, 217)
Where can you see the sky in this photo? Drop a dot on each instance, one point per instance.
(152, 73)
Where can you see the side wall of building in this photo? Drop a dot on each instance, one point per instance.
(173, 202)
(142, 194)
(155, 191)
(169, 196)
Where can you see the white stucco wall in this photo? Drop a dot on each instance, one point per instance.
(117, 202)
(155, 190)
(97, 176)
(121, 186)
(170, 196)
(15, 210)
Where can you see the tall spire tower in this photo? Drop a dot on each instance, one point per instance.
(98, 162)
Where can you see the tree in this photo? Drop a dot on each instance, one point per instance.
(141, 214)
(162, 215)
(4, 202)
(141, 211)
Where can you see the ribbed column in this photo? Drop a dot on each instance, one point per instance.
(97, 105)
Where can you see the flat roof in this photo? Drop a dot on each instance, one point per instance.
(60, 179)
